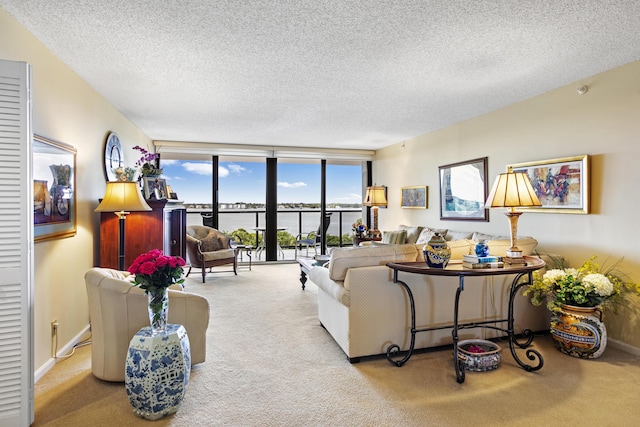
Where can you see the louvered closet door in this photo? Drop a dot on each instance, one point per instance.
(16, 246)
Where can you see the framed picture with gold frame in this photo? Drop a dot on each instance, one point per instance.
(414, 197)
(54, 189)
(561, 184)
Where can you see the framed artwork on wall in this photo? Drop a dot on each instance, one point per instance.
(562, 184)
(463, 191)
(414, 197)
(54, 189)
(154, 188)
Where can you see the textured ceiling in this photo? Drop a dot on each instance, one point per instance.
(322, 73)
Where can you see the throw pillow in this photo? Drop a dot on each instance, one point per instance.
(412, 233)
(211, 243)
(427, 233)
(397, 237)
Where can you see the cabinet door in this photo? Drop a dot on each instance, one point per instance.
(177, 232)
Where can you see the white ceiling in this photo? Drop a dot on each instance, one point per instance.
(359, 74)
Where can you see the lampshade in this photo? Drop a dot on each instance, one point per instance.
(122, 196)
(375, 196)
(512, 190)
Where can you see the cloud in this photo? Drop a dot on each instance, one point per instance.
(197, 168)
(349, 198)
(205, 169)
(168, 162)
(292, 184)
(237, 168)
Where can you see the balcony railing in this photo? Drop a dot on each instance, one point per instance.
(242, 223)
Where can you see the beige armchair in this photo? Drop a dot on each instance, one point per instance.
(207, 247)
(118, 310)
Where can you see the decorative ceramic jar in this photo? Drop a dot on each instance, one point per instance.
(481, 248)
(479, 355)
(436, 252)
(157, 371)
(579, 331)
(158, 310)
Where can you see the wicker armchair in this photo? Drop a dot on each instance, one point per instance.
(208, 247)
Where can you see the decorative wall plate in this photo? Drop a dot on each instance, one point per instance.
(112, 156)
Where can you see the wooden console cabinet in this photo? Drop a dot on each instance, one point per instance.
(162, 228)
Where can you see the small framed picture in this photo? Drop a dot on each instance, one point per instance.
(414, 197)
(171, 194)
(154, 188)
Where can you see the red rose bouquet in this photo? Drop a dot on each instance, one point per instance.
(154, 271)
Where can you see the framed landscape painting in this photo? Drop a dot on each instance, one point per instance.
(414, 197)
(463, 191)
(562, 184)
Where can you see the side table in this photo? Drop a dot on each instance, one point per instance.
(157, 371)
(306, 264)
(456, 270)
(247, 249)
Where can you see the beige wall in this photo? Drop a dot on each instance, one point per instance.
(604, 123)
(66, 109)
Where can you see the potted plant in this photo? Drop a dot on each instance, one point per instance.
(148, 163)
(577, 297)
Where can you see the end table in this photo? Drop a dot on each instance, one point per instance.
(157, 371)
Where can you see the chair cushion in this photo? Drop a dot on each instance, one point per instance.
(219, 254)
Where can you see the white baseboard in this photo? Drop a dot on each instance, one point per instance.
(46, 367)
(619, 345)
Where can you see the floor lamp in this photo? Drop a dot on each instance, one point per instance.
(122, 198)
(375, 197)
(513, 190)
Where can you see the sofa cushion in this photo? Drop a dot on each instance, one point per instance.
(343, 259)
(397, 237)
(320, 277)
(499, 247)
(459, 235)
(412, 233)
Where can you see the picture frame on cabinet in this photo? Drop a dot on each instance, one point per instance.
(54, 189)
(561, 184)
(154, 188)
(463, 191)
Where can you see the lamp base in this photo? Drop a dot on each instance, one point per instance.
(514, 261)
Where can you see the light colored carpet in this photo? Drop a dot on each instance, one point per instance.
(270, 363)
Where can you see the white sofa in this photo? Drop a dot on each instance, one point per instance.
(118, 310)
(365, 312)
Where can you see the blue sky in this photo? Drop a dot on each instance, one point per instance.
(245, 182)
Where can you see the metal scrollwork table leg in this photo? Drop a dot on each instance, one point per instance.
(394, 349)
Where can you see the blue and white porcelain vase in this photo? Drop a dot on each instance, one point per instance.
(481, 248)
(436, 252)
